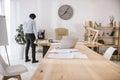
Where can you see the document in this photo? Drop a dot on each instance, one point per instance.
(67, 55)
(64, 50)
(60, 55)
(78, 55)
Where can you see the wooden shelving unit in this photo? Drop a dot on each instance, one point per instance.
(109, 38)
(119, 43)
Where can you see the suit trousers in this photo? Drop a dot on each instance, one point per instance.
(30, 38)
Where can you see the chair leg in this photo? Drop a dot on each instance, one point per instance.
(19, 77)
(4, 78)
(15, 76)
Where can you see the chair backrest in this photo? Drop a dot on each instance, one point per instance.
(108, 53)
(60, 32)
(3, 66)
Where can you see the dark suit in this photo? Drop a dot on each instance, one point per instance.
(30, 38)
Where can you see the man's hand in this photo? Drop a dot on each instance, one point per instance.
(36, 40)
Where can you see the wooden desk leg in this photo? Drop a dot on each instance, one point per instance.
(45, 49)
(96, 49)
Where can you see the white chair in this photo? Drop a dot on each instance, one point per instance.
(108, 53)
(9, 71)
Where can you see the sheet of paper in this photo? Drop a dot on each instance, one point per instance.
(77, 55)
(60, 55)
(64, 50)
(68, 55)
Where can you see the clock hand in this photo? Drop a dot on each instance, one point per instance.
(65, 11)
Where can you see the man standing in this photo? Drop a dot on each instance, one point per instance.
(30, 32)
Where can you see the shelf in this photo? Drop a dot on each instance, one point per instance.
(103, 28)
(107, 45)
(108, 37)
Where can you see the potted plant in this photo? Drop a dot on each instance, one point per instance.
(19, 38)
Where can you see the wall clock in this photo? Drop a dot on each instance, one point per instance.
(65, 12)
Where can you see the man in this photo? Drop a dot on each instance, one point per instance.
(30, 32)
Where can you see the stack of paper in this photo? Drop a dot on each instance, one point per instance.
(66, 53)
(64, 50)
(80, 55)
(60, 55)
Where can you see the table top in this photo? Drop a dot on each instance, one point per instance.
(43, 42)
(93, 44)
(95, 67)
(88, 44)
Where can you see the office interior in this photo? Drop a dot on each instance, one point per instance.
(48, 19)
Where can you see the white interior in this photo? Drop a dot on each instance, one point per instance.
(48, 19)
(17, 12)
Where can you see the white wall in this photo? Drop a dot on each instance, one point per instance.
(84, 10)
(48, 19)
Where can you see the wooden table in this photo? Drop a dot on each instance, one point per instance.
(96, 67)
(45, 44)
(94, 45)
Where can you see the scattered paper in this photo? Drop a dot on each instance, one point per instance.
(60, 55)
(64, 50)
(77, 55)
(68, 55)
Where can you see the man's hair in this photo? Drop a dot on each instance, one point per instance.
(32, 16)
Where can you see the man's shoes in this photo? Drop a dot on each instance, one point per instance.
(27, 60)
(35, 61)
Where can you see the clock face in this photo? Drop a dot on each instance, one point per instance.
(65, 12)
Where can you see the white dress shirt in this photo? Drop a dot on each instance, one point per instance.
(29, 26)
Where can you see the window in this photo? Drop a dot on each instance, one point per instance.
(2, 10)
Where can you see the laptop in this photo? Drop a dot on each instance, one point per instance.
(68, 42)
